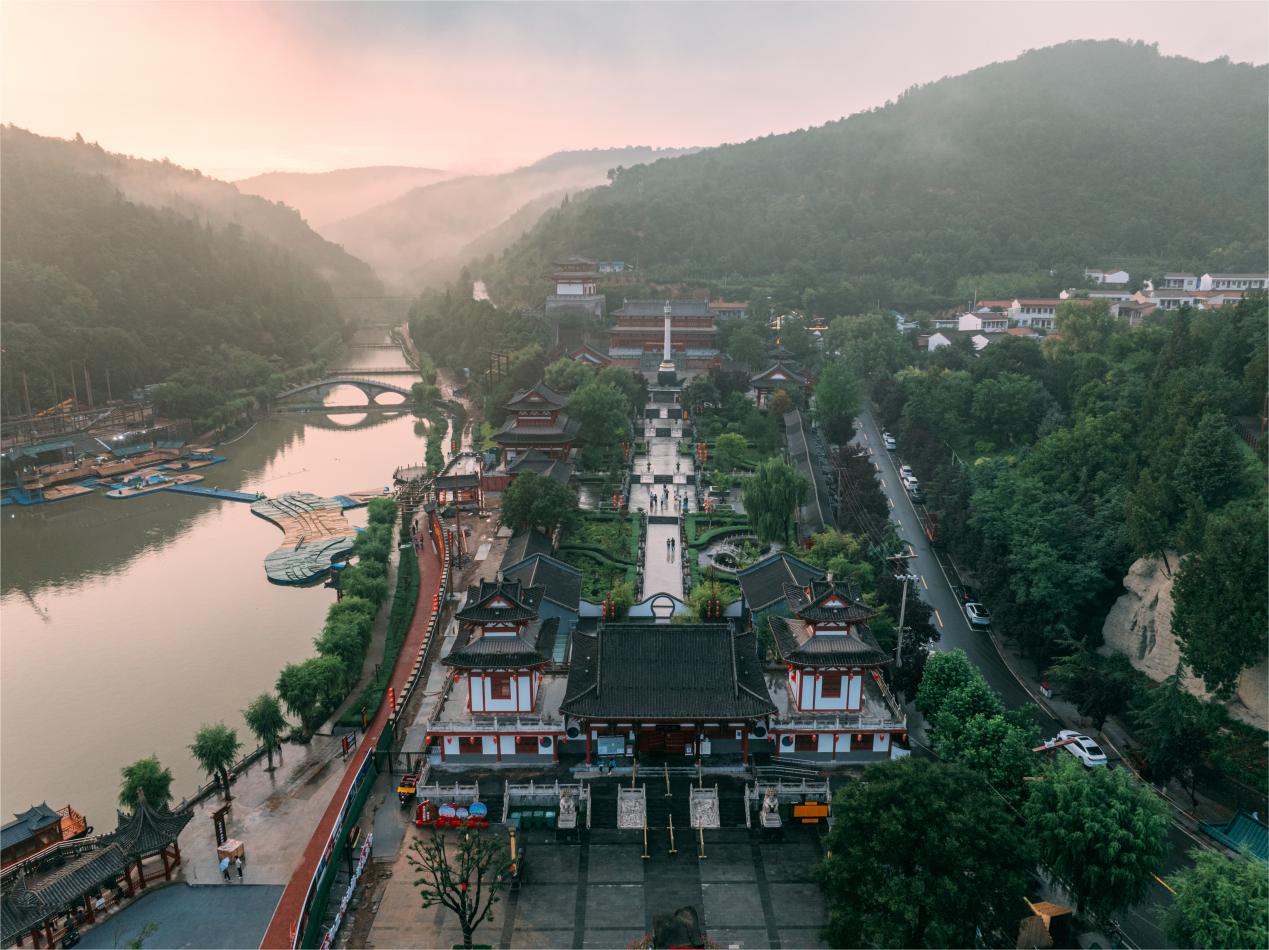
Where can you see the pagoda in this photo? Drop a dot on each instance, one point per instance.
(537, 422)
(834, 703)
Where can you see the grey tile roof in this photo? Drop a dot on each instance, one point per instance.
(665, 671)
(149, 829)
(815, 606)
(763, 583)
(525, 545)
(563, 430)
(856, 647)
(531, 647)
(562, 582)
(31, 899)
(26, 824)
(779, 373)
(541, 464)
(523, 602)
(540, 396)
(656, 308)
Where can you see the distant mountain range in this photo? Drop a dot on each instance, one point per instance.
(193, 195)
(425, 235)
(1078, 155)
(325, 197)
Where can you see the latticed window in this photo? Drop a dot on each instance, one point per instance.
(500, 686)
(831, 685)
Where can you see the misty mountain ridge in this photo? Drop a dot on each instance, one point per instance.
(1083, 154)
(424, 236)
(326, 197)
(161, 184)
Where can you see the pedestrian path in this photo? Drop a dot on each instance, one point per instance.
(663, 487)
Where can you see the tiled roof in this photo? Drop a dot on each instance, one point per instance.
(665, 671)
(548, 466)
(522, 602)
(530, 647)
(149, 829)
(563, 430)
(656, 308)
(562, 582)
(30, 899)
(26, 824)
(540, 396)
(778, 373)
(763, 583)
(820, 604)
(855, 647)
(524, 545)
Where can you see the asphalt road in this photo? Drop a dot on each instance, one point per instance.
(935, 588)
(1141, 923)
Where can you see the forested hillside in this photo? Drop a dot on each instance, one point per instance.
(1084, 154)
(193, 195)
(425, 236)
(142, 294)
(324, 197)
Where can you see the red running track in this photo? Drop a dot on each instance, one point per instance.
(286, 915)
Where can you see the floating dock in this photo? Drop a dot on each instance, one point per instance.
(315, 535)
(222, 493)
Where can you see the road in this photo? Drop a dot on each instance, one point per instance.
(935, 588)
(1141, 922)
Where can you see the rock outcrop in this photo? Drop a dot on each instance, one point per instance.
(1139, 626)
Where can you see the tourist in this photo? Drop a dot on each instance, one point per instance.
(678, 466)
(238, 865)
(224, 869)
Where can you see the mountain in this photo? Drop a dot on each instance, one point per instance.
(193, 195)
(99, 286)
(324, 197)
(1083, 154)
(419, 238)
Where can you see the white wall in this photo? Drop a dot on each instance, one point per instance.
(482, 700)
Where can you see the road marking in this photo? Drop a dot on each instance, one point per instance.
(938, 616)
(923, 583)
(890, 503)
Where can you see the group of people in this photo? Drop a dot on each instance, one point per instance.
(671, 545)
(224, 867)
(662, 502)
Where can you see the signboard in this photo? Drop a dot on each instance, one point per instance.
(612, 745)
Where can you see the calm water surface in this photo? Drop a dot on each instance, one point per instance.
(127, 624)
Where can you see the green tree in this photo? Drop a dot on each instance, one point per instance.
(870, 345)
(944, 672)
(266, 722)
(216, 748)
(361, 582)
(995, 747)
(770, 497)
(1148, 513)
(630, 384)
(565, 375)
(747, 348)
(311, 689)
(1219, 600)
(1175, 731)
(1007, 409)
(464, 874)
(149, 776)
(382, 511)
(1211, 467)
(604, 422)
(836, 402)
(730, 452)
(1099, 830)
(1099, 686)
(532, 501)
(1220, 902)
(912, 866)
(342, 640)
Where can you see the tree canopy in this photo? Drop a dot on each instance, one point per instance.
(770, 497)
(149, 776)
(532, 501)
(1220, 902)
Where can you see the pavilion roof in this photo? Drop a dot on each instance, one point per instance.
(540, 396)
(763, 583)
(778, 373)
(30, 899)
(826, 601)
(501, 600)
(148, 830)
(530, 647)
(853, 647)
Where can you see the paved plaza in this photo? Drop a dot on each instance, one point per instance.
(662, 487)
(212, 915)
(602, 893)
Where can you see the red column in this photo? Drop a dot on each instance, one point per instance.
(167, 870)
(127, 879)
(498, 745)
(176, 854)
(141, 873)
(48, 933)
(92, 911)
(744, 742)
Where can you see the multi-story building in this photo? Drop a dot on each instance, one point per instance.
(537, 422)
(1180, 281)
(638, 336)
(1233, 282)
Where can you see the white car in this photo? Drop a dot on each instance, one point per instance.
(1083, 748)
(911, 484)
(905, 472)
(977, 614)
(889, 442)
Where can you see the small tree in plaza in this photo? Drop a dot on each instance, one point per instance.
(265, 720)
(464, 874)
(216, 748)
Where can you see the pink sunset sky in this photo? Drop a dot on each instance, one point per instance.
(239, 88)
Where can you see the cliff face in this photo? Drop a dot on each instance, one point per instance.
(1139, 626)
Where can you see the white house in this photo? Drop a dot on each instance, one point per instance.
(937, 342)
(1233, 282)
(1039, 313)
(984, 320)
(1175, 299)
(980, 342)
(1106, 276)
(1179, 281)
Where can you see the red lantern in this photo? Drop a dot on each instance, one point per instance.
(455, 677)
(463, 887)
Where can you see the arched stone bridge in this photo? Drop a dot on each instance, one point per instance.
(372, 388)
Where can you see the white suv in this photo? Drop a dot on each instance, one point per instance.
(889, 442)
(1083, 748)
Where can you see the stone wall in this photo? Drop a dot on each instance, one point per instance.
(1139, 626)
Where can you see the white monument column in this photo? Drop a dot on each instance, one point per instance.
(665, 372)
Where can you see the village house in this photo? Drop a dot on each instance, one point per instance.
(1180, 281)
(1039, 313)
(984, 320)
(1234, 282)
(1106, 275)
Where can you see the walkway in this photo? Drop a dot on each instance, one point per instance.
(213, 915)
(289, 907)
(668, 476)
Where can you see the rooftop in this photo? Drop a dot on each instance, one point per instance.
(537, 397)
(562, 582)
(656, 308)
(502, 601)
(763, 583)
(27, 824)
(855, 646)
(665, 671)
(525, 545)
(563, 429)
(539, 463)
(532, 646)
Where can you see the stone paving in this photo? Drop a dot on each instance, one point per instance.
(602, 893)
(674, 494)
(215, 915)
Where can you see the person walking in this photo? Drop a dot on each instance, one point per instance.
(238, 865)
(224, 869)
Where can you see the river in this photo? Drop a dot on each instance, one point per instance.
(129, 623)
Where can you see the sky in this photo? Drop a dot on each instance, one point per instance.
(238, 88)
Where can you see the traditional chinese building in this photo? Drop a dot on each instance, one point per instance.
(776, 377)
(537, 421)
(576, 289)
(640, 330)
(501, 705)
(833, 703)
(679, 689)
(590, 356)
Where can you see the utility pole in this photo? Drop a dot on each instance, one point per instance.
(898, 562)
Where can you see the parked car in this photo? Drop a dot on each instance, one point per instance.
(889, 441)
(911, 484)
(977, 615)
(905, 472)
(1083, 748)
